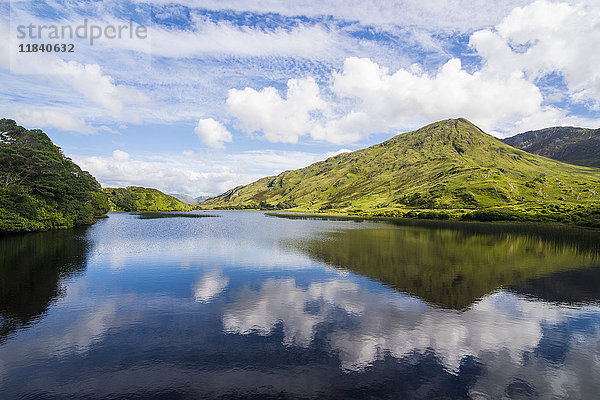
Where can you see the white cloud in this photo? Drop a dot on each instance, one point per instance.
(189, 153)
(52, 119)
(120, 155)
(109, 83)
(382, 101)
(549, 37)
(401, 98)
(51, 79)
(90, 82)
(346, 129)
(193, 173)
(213, 133)
(86, 79)
(169, 176)
(335, 153)
(280, 120)
(502, 96)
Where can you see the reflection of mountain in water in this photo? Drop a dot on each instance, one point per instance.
(454, 267)
(578, 286)
(32, 267)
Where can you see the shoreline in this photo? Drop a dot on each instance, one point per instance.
(452, 222)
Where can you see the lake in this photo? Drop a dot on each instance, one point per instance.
(245, 305)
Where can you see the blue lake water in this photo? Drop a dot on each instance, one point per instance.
(244, 305)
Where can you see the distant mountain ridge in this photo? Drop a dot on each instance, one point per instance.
(572, 145)
(450, 164)
(187, 199)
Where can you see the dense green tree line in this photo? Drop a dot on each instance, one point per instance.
(40, 188)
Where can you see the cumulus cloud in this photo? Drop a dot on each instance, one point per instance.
(502, 96)
(382, 101)
(395, 99)
(279, 119)
(348, 128)
(213, 133)
(120, 155)
(545, 37)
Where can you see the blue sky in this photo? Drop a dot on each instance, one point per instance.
(220, 93)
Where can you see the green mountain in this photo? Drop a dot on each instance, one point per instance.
(136, 198)
(447, 165)
(578, 146)
(40, 188)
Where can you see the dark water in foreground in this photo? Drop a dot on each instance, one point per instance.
(248, 306)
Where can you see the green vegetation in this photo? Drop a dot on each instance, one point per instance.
(40, 188)
(453, 267)
(578, 146)
(136, 198)
(448, 169)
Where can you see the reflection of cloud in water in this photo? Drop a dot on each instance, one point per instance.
(281, 301)
(187, 252)
(393, 324)
(209, 286)
(88, 329)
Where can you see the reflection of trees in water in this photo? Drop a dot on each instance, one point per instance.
(454, 267)
(32, 267)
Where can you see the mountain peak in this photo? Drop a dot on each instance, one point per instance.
(579, 146)
(445, 138)
(448, 164)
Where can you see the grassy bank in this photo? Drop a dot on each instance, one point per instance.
(573, 215)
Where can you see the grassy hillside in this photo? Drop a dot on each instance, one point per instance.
(448, 165)
(136, 198)
(40, 188)
(578, 146)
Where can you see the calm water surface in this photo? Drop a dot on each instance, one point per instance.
(244, 305)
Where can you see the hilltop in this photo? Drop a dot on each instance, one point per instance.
(135, 198)
(447, 165)
(572, 145)
(40, 188)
